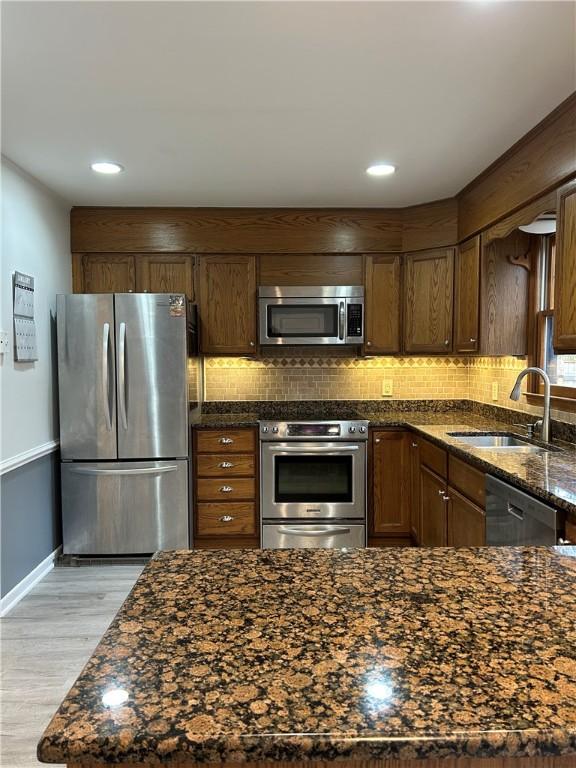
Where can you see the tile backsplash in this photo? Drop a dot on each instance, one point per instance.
(310, 377)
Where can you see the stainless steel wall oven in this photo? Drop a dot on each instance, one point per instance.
(313, 484)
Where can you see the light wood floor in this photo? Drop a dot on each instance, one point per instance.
(45, 641)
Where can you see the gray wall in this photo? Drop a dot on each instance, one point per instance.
(30, 521)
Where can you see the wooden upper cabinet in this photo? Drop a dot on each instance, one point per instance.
(227, 298)
(565, 291)
(108, 273)
(467, 296)
(390, 484)
(428, 283)
(382, 304)
(165, 273)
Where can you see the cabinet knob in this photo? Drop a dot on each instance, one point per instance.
(446, 342)
(368, 343)
(472, 341)
(446, 498)
(251, 343)
(441, 492)
(414, 445)
(226, 440)
(376, 439)
(225, 465)
(226, 518)
(226, 489)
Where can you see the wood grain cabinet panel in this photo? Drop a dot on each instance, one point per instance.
(310, 269)
(383, 304)
(225, 441)
(225, 465)
(466, 526)
(227, 304)
(467, 479)
(390, 484)
(165, 273)
(433, 509)
(414, 447)
(108, 273)
(428, 289)
(237, 518)
(226, 488)
(467, 296)
(565, 291)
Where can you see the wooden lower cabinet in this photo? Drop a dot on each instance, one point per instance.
(466, 521)
(433, 509)
(225, 488)
(390, 490)
(415, 524)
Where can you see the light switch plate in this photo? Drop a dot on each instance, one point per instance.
(387, 388)
(494, 390)
(4, 343)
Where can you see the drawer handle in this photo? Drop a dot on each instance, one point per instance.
(226, 441)
(225, 465)
(226, 518)
(226, 489)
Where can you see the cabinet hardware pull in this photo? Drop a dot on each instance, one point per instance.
(377, 440)
(226, 518)
(225, 465)
(446, 342)
(414, 445)
(226, 489)
(446, 498)
(441, 492)
(472, 340)
(251, 343)
(368, 343)
(226, 441)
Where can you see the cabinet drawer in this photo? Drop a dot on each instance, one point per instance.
(433, 457)
(226, 489)
(218, 465)
(223, 519)
(468, 480)
(225, 441)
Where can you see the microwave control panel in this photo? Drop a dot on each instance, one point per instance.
(355, 320)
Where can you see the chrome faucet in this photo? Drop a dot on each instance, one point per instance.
(515, 395)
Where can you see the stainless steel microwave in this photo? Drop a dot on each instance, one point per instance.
(311, 314)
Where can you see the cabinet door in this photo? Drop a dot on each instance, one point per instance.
(428, 282)
(466, 522)
(433, 509)
(565, 282)
(467, 296)
(165, 273)
(414, 488)
(108, 273)
(390, 484)
(382, 304)
(228, 304)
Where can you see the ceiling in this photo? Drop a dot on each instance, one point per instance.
(276, 103)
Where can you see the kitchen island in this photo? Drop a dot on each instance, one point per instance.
(409, 657)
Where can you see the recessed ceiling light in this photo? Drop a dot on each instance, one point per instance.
(106, 166)
(381, 169)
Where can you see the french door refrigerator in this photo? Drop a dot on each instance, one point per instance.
(122, 368)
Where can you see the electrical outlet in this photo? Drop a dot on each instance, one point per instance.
(4, 344)
(494, 390)
(387, 388)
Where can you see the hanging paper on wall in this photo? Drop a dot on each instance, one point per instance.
(24, 325)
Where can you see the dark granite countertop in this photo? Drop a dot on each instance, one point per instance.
(550, 476)
(362, 654)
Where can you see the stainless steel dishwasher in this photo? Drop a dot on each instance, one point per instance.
(514, 519)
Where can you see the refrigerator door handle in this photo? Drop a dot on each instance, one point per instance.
(141, 471)
(122, 375)
(106, 374)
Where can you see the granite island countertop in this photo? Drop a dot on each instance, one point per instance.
(550, 476)
(287, 655)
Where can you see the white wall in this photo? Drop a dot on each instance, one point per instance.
(35, 240)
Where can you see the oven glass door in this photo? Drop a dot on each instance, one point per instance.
(302, 321)
(313, 480)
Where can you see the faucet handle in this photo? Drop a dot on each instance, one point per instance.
(529, 427)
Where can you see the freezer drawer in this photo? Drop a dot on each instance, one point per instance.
(120, 508)
(313, 536)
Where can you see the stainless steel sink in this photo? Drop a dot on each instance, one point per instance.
(498, 441)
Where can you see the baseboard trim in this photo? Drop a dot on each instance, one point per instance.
(23, 587)
(27, 456)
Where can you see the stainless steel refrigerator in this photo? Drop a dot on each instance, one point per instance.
(122, 369)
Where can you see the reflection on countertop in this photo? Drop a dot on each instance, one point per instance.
(550, 476)
(256, 655)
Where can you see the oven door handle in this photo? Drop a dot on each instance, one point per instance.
(334, 530)
(312, 449)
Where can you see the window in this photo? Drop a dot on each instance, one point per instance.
(560, 368)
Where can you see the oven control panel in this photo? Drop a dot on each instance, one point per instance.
(314, 430)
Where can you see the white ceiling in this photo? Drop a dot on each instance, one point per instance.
(276, 103)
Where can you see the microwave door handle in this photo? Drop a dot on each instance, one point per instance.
(342, 321)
